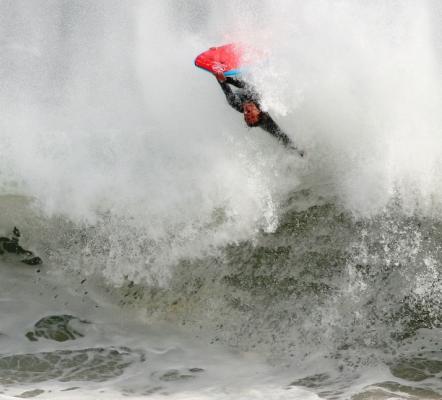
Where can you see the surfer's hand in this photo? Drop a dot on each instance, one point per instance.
(220, 76)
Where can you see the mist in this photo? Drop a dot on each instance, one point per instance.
(105, 117)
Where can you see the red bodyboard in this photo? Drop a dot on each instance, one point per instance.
(227, 59)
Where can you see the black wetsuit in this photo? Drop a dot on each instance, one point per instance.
(246, 93)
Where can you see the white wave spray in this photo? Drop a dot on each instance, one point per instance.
(104, 114)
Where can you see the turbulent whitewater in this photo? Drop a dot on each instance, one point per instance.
(186, 256)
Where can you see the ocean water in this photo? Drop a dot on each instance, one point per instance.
(185, 256)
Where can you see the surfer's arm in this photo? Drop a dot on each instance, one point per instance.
(235, 82)
(233, 99)
(249, 91)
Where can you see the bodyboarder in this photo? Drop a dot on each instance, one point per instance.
(245, 100)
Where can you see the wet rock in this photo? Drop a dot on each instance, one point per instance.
(196, 370)
(416, 369)
(175, 375)
(313, 381)
(152, 390)
(30, 393)
(11, 246)
(390, 390)
(91, 364)
(56, 327)
(32, 261)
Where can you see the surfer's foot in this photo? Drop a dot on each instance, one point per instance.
(301, 153)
